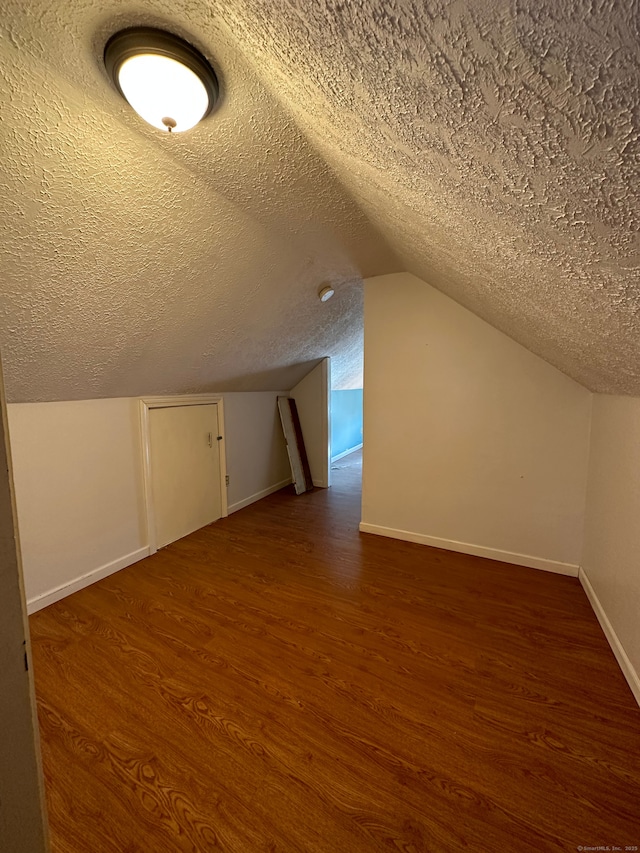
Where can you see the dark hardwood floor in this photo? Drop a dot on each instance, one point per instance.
(279, 682)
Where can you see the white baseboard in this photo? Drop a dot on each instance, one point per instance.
(46, 598)
(474, 550)
(633, 679)
(259, 495)
(320, 484)
(346, 452)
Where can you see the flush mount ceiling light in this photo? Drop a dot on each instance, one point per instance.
(167, 81)
(325, 293)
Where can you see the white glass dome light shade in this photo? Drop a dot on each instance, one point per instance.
(165, 79)
(162, 91)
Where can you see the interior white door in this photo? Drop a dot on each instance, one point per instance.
(185, 469)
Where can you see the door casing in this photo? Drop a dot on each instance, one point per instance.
(148, 403)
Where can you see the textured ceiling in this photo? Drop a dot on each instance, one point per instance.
(495, 145)
(134, 262)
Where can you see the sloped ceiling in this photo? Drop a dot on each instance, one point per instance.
(139, 263)
(494, 145)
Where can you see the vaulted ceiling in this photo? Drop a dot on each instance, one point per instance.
(490, 148)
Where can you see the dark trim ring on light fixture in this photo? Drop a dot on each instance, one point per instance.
(138, 41)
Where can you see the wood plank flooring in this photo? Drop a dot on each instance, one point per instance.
(280, 682)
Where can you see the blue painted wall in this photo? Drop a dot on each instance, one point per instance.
(346, 420)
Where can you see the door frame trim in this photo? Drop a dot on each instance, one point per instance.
(148, 403)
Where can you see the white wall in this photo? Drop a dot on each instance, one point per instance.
(611, 557)
(470, 441)
(79, 486)
(312, 396)
(257, 461)
(79, 489)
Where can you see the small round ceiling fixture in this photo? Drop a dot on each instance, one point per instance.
(166, 80)
(325, 293)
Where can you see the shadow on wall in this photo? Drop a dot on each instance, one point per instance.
(346, 422)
